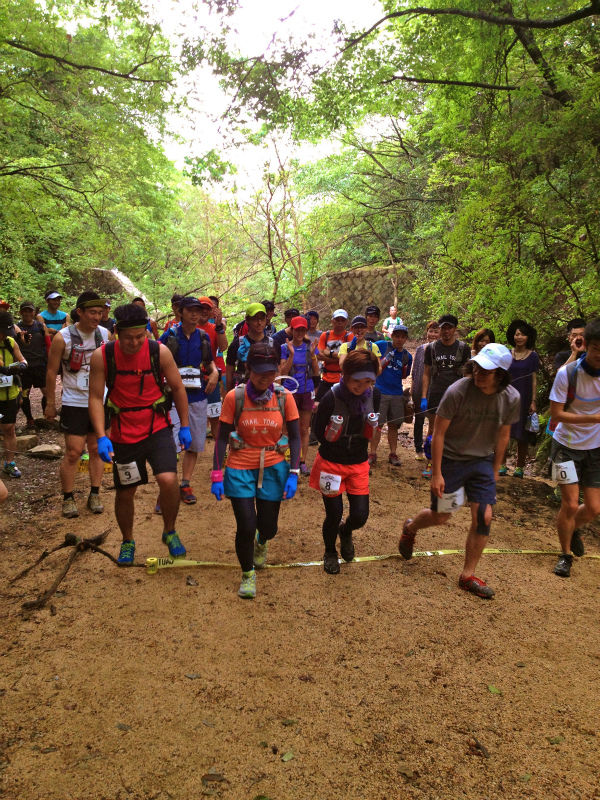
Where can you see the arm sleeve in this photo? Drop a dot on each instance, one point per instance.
(376, 399)
(232, 351)
(323, 414)
(293, 429)
(221, 446)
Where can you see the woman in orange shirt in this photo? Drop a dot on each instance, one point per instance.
(257, 476)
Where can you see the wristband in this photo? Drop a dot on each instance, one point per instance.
(295, 472)
(216, 476)
(220, 329)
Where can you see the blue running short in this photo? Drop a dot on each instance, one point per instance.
(476, 476)
(242, 482)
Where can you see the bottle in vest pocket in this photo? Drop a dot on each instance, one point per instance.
(76, 358)
(370, 424)
(235, 441)
(334, 429)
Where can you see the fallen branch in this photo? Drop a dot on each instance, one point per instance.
(70, 541)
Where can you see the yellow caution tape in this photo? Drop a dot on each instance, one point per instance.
(83, 465)
(154, 564)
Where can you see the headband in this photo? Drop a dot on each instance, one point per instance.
(92, 303)
(131, 323)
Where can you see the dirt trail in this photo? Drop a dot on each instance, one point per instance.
(384, 682)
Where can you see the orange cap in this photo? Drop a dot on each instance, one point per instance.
(205, 301)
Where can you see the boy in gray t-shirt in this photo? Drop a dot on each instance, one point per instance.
(471, 432)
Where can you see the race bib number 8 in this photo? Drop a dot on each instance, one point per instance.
(329, 484)
(451, 501)
(565, 474)
(128, 473)
(6, 380)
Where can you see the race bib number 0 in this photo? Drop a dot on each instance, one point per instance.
(128, 473)
(83, 380)
(191, 377)
(565, 474)
(213, 410)
(6, 380)
(451, 501)
(329, 484)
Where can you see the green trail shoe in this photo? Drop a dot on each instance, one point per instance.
(127, 553)
(503, 470)
(247, 588)
(176, 549)
(518, 473)
(260, 553)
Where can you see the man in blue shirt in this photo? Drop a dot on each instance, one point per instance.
(194, 358)
(396, 363)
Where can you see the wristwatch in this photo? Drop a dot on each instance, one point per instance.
(295, 472)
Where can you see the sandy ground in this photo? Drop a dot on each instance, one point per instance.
(383, 682)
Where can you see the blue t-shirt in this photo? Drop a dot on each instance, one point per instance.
(390, 380)
(302, 370)
(189, 354)
(55, 320)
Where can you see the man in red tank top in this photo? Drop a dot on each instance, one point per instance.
(134, 370)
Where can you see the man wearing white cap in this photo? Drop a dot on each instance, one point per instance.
(54, 319)
(469, 440)
(328, 352)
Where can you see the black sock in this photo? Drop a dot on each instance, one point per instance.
(26, 407)
(95, 490)
(44, 403)
(68, 496)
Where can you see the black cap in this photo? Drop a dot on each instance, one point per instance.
(189, 302)
(291, 312)
(373, 310)
(259, 362)
(312, 314)
(27, 304)
(448, 319)
(358, 321)
(269, 305)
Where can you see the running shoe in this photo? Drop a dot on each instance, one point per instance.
(577, 547)
(247, 588)
(69, 509)
(176, 549)
(556, 496)
(304, 470)
(30, 424)
(346, 544)
(372, 459)
(503, 470)
(94, 504)
(157, 509)
(10, 469)
(476, 586)
(186, 494)
(331, 564)
(427, 471)
(420, 456)
(407, 541)
(518, 473)
(126, 553)
(563, 566)
(394, 460)
(260, 553)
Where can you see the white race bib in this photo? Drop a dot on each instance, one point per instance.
(191, 377)
(128, 473)
(6, 380)
(329, 484)
(213, 410)
(565, 474)
(451, 501)
(83, 380)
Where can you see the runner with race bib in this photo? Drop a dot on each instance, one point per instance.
(344, 424)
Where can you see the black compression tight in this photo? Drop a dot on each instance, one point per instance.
(334, 509)
(251, 515)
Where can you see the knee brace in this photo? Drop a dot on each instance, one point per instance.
(427, 448)
(483, 528)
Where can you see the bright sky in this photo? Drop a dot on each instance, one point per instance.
(254, 25)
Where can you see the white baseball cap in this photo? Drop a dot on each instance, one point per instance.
(340, 313)
(493, 356)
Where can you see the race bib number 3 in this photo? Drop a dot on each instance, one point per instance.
(128, 473)
(329, 484)
(83, 380)
(565, 473)
(451, 501)
(6, 380)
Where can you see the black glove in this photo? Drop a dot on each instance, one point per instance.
(4, 370)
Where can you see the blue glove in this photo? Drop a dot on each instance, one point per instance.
(218, 490)
(105, 449)
(290, 487)
(185, 437)
(424, 404)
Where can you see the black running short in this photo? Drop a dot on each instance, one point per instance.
(75, 421)
(9, 410)
(158, 450)
(33, 378)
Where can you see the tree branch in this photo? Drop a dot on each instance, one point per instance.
(473, 84)
(64, 62)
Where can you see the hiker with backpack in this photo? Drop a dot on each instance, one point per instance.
(395, 367)
(328, 352)
(257, 476)
(344, 424)
(359, 341)
(237, 352)
(575, 453)
(12, 364)
(445, 360)
(34, 341)
(191, 348)
(72, 348)
(133, 370)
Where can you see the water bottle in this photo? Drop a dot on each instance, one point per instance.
(76, 358)
(370, 425)
(235, 441)
(334, 429)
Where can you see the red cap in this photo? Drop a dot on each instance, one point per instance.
(5, 303)
(299, 322)
(205, 301)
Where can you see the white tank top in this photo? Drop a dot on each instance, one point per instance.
(76, 384)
